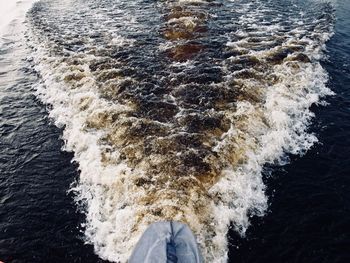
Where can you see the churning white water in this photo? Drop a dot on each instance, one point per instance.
(172, 109)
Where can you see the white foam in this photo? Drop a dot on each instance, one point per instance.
(99, 184)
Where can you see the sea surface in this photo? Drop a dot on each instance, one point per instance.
(230, 116)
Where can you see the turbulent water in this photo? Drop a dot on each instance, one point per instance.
(172, 108)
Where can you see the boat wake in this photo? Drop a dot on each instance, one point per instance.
(172, 108)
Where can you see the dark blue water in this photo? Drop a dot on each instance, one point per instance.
(309, 213)
(38, 220)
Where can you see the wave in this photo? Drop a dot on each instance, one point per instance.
(173, 108)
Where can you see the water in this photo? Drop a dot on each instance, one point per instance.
(176, 109)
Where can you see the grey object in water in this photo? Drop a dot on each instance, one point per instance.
(168, 241)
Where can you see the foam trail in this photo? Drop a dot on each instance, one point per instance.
(173, 109)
